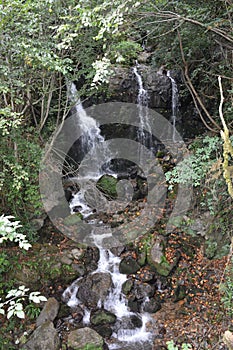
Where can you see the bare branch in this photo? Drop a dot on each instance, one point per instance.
(175, 16)
(196, 97)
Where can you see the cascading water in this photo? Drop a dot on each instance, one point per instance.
(142, 102)
(89, 170)
(175, 102)
(108, 264)
(115, 302)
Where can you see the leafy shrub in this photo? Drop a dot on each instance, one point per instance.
(8, 232)
(226, 288)
(125, 52)
(194, 169)
(13, 304)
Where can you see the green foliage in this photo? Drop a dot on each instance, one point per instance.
(19, 176)
(107, 184)
(184, 346)
(207, 55)
(8, 232)
(125, 52)
(13, 304)
(226, 288)
(4, 263)
(194, 169)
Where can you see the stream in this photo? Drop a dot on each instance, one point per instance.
(130, 329)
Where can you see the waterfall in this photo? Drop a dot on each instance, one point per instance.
(175, 102)
(108, 263)
(89, 170)
(142, 101)
(88, 126)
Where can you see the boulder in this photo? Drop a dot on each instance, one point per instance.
(93, 288)
(49, 312)
(128, 265)
(102, 316)
(127, 286)
(73, 219)
(45, 337)
(156, 257)
(142, 290)
(151, 306)
(128, 322)
(85, 338)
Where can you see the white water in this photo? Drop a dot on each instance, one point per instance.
(175, 101)
(142, 101)
(93, 144)
(115, 301)
(108, 263)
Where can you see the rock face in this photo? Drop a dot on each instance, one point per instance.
(45, 337)
(84, 338)
(124, 87)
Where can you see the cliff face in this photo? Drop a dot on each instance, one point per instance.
(124, 87)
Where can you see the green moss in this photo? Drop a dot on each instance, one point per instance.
(73, 219)
(107, 185)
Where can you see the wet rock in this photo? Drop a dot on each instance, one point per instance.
(128, 322)
(142, 290)
(64, 311)
(152, 306)
(104, 330)
(43, 338)
(127, 286)
(141, 190)
(85, 338)
(93, 288)
(117, 250)
(128, 265)
(123, 86)
(102, 317)
(91, 258)
(133, 304)
(49, 311)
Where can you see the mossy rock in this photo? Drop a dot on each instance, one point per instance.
(85, 339)
(73, 219)
(108, 185)
(100, 317)
(127, 286)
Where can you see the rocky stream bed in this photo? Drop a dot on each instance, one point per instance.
(171, 272)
